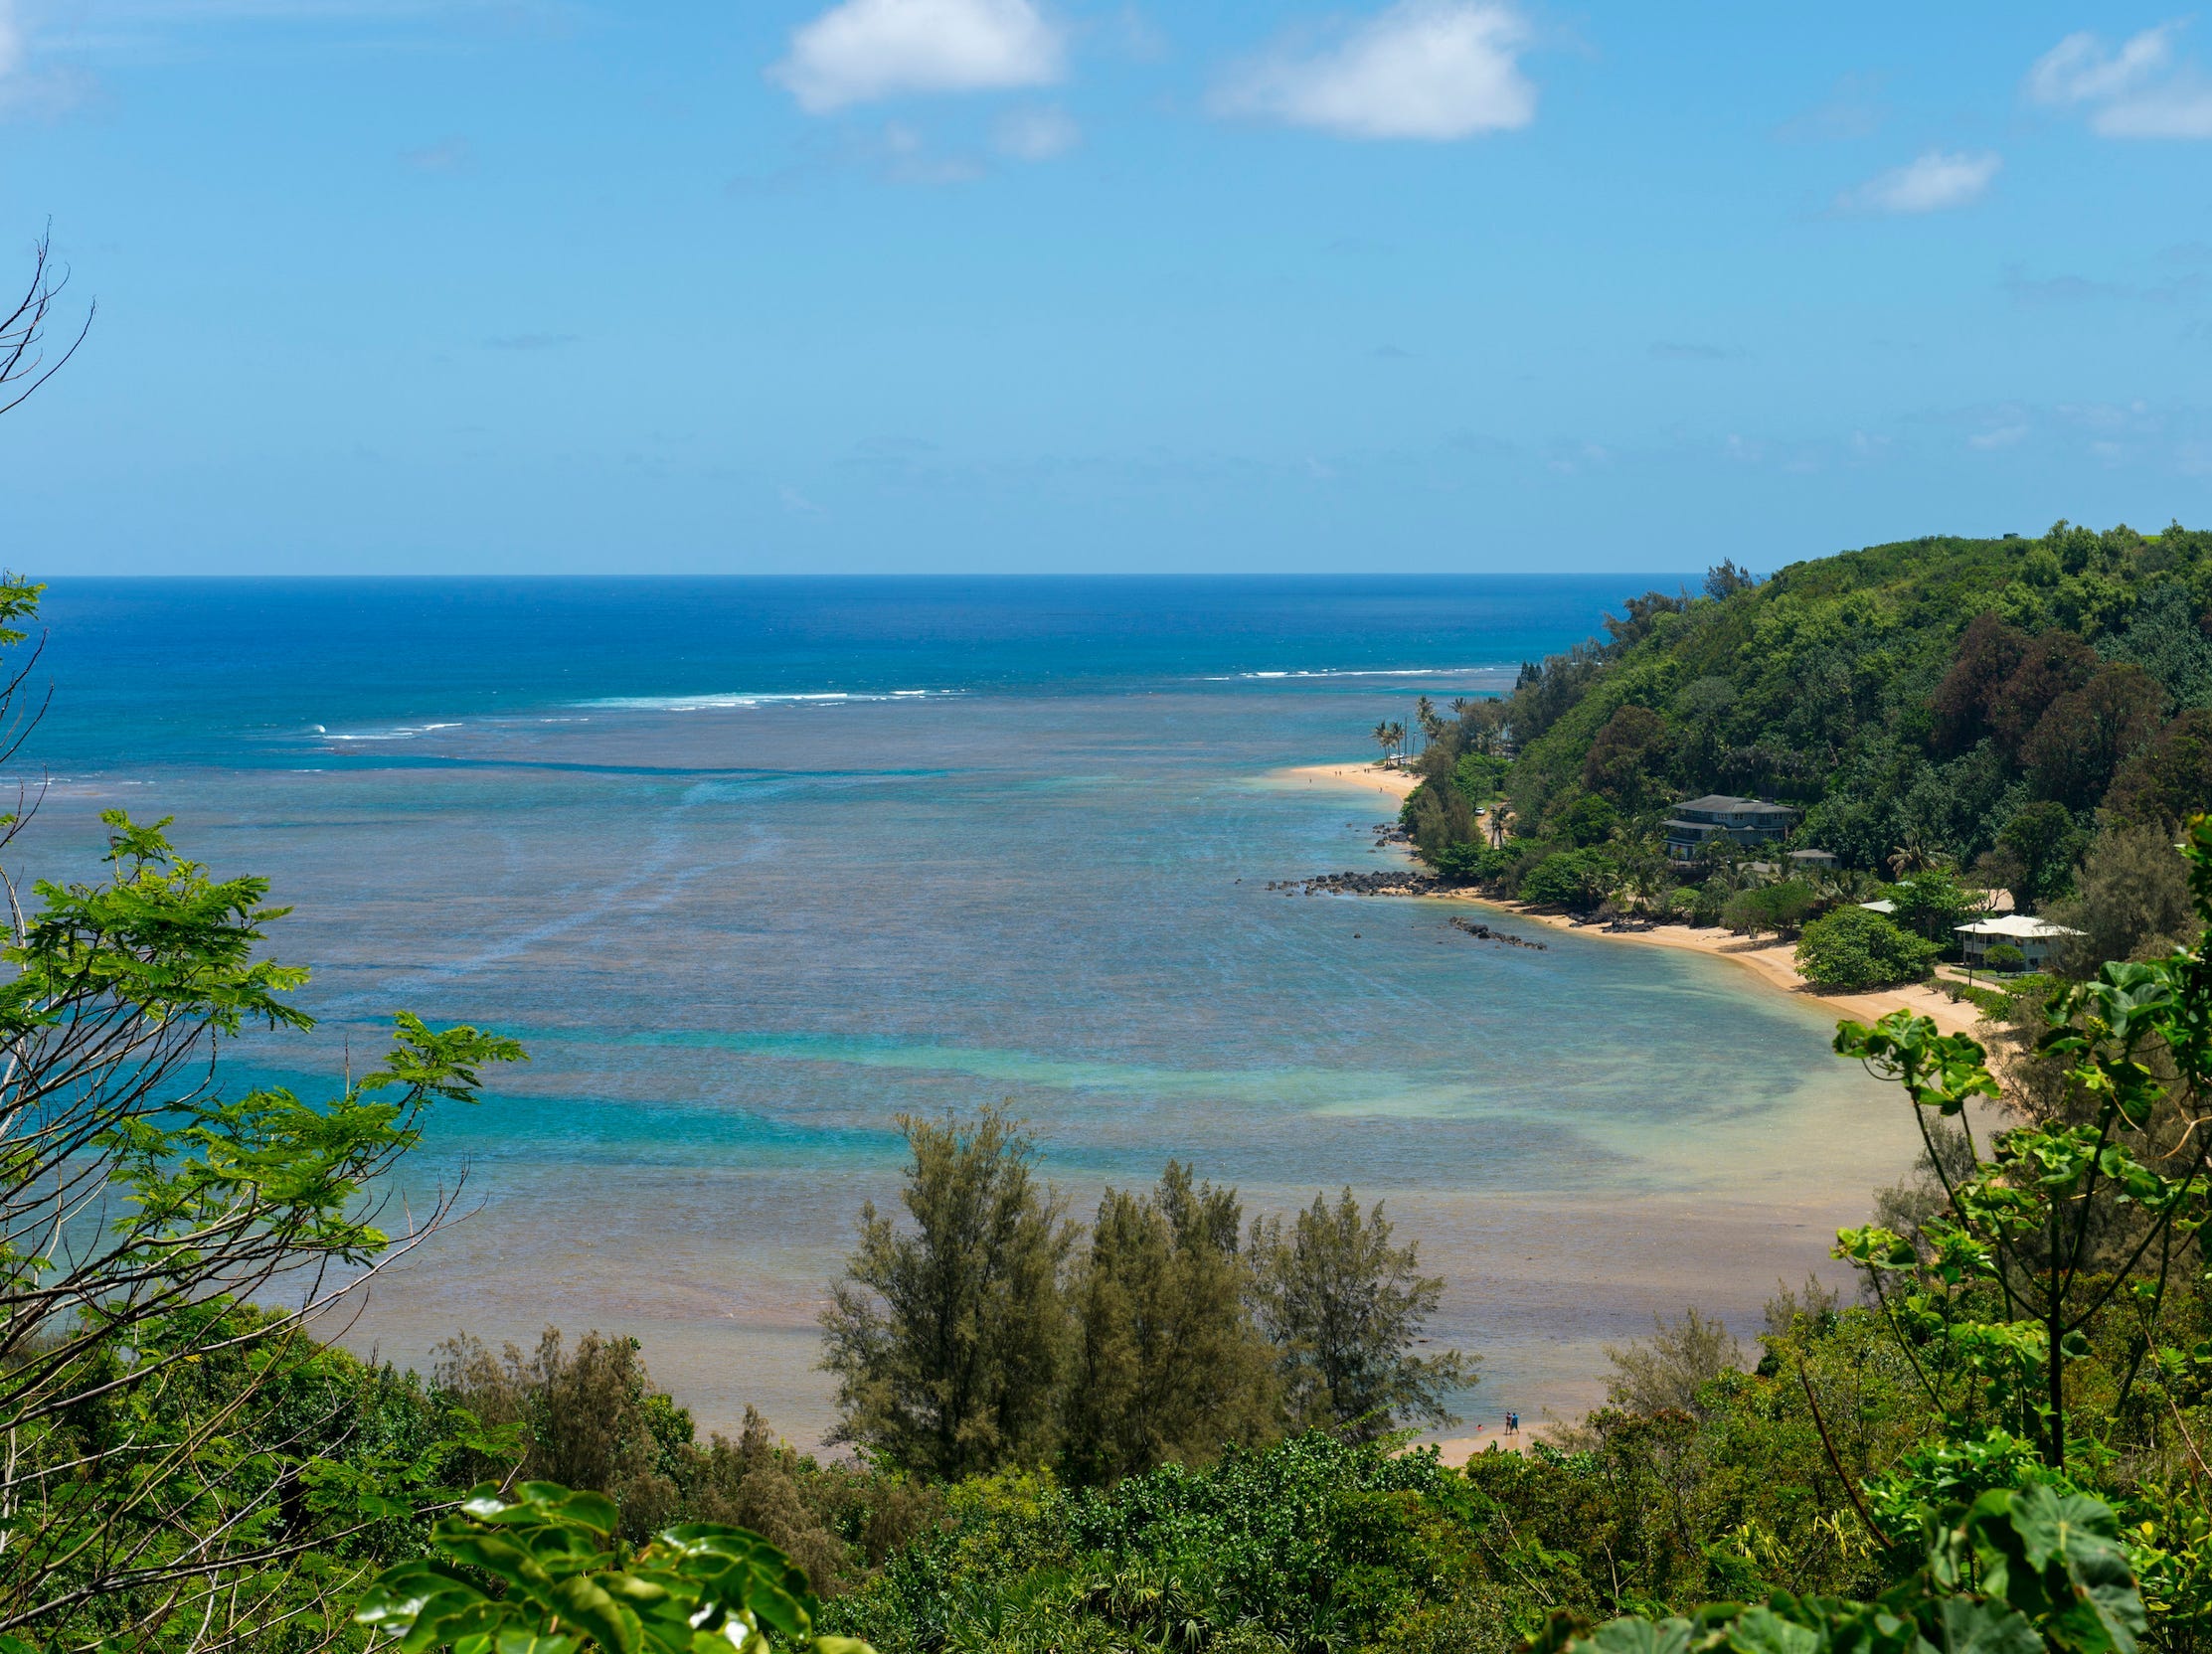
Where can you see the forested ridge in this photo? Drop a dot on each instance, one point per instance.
(2032, 716)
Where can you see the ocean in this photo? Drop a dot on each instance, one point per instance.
(754, 866)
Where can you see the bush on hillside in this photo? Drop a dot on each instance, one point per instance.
(1480, 776)
(1473, 864)
(1577, 879)
(1854, 948)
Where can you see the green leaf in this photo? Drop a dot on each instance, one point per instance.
(1970, 1627)
(611, 1626)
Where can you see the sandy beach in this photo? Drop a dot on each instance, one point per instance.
(1773, 962)
(1349, 778)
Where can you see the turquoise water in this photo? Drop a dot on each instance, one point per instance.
(754, 866)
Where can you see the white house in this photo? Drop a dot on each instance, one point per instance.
(2034, 937)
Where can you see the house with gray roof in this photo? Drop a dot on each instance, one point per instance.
(1717, 816)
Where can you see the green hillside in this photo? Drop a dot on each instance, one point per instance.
(1983, 705)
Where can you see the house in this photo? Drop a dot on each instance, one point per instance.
(2034, 937)
(1811, 861)
(1886, 907)
(1717, 816)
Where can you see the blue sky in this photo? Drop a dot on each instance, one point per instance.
(1046, 285)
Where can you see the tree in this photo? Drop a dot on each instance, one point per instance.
(1627, 757)
(2051, 666)
(145, 1211)
(1426, 715)
(1170, 1366)
(2086, 733)
(2170, 779)
(1854, 948)
(594, 1419)
(1780, 908)
(1933, 904)
(1584, 821)
(949, 1343)
(1724, 579)
(1440, 817)
(2035, 854)
(1665, 1372)
(2101, 1196)
(1344, 1309)
(1988, 654)
(1384, 737)
(1575, 879)
(23, 359)
(2131, 898)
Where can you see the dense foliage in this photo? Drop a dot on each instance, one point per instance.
(1853, 948)
(1998, 706)
(985, 1336)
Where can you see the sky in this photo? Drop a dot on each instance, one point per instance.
(1078, 286)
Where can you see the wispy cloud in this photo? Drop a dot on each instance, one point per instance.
(1928, 183)
(905, 157)
(1853, 110)
(29, 87)
(445, 155)
(1435, 70)
(2138, 89)
(1037, 134)
(866, 50)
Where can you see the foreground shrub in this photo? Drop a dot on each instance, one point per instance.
(550, 1572)
(1855, 947)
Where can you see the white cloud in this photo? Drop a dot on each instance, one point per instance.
(12, 51)
(2137, 91)
(865, 50)
(1037, 134)
(1927, 184)
(1425, 69)
(2003, 437)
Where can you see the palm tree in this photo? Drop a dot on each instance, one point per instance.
(1398, 737)
(1382, 737)
(1914, 854)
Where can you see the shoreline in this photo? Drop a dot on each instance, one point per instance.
(1361, 776)
(1771, 962)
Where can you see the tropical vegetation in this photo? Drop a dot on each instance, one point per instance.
(2007, 714)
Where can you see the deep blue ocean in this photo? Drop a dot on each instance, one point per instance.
(752, 867)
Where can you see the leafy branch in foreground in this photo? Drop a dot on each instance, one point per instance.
(548, 1573)
(144, 1216)
(2015, 1572)
(2072, 1219)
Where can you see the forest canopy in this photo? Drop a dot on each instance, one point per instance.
(1988, 705)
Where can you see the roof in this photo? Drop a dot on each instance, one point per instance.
(1720, 804)
(2017, 924)
(1812, 855)
(1883, 906)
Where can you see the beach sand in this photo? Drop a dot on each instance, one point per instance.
(1773, 962)
(1349, 778)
